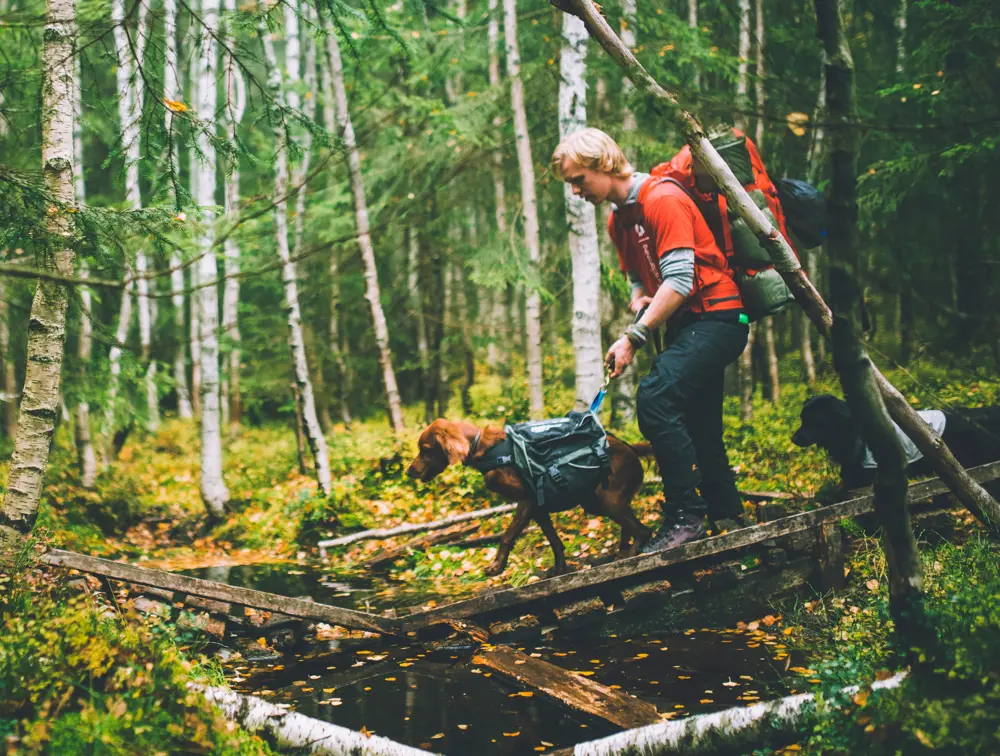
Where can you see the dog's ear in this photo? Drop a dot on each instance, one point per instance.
(455, 445)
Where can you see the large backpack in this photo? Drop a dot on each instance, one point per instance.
(561, 460)
(762, 288)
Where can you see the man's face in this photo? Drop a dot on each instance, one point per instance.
(592, 185)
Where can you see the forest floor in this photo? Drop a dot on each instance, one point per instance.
(146, 508)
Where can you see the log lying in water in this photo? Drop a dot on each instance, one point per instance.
(413, 527)
(293, 730)
(567, 688)
(722, 731)
(190, 586)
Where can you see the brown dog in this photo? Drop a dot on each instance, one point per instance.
(445, 443)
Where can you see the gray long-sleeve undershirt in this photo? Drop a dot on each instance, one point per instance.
(676, 270)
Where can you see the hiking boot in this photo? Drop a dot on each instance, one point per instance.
(674, 532)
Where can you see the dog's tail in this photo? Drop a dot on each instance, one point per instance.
(642, 449)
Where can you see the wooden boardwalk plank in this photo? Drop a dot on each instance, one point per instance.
(623, 568)
(294, 607)
(568, 688)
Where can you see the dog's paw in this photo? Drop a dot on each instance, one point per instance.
(495, 568)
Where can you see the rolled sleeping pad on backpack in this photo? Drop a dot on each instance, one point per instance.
(764, 292)
(748, 252)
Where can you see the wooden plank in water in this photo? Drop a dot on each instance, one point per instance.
(736, 539)
(567, 688)
(208, 589)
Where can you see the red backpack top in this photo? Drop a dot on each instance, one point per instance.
(681, 168)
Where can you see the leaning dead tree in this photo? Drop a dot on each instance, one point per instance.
(968, 491)
(47, 328)
(849, 358)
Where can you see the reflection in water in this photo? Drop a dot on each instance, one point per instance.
(443, 701)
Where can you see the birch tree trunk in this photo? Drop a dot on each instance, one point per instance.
(84, 448)
(901, 39)
(444, 349)
(499, 317)
(343, 376)
(805, 332)
(628, 24)
(853, 365)
(235, 107)
(304, 397)
(130, 97)
(743, 70)
(771, 359)
(372, 293)
(194, 84)
(417, 302)
(759, 83)
(580, 219)
(9, 375)
(623, 389)
(693, 24)
(969, 492)
(532, 303)
(47, 330)
(746, 378)
(214, 492)
(172, 92)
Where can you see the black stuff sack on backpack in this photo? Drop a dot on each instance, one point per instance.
(805, 210)
(561, 460)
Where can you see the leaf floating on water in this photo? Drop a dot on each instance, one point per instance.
(328, 690)
(439, 735)
(706, 701)
(406, 664)
(511, 734)
(769, 620)
(463, 727)
(313, 677)
(731, 684)
(745, 677)
(390, 679)
(365, 731)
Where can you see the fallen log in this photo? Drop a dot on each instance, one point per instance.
(293, 730)
(729, 731)
(388, 556)
(413, 527)
(567, 688)
(293, 607)
(730, 541)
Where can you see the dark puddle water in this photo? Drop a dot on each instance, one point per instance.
(443, 702)
(361, 591)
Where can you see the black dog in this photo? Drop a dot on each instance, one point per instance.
(973, 435)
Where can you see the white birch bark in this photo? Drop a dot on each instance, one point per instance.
(10, 392)
(214, 493)
(417, 301)
(84, 448)
(343, 378)
(194, 37)
(746, 376)
(580, 219)
(293, 54)
(305, 143)
(901, 39)
(743, 70)
(172, 91)
(693, 23)
(47, 332)
(628, 23)
(235, 107)
(814, 159)
(532, 303)
(759, 83)
(499, 316)
(305, 400)
(130, 97)
(372, 293)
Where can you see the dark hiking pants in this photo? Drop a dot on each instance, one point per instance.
(679, 408)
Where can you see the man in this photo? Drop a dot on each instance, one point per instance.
(681, 278)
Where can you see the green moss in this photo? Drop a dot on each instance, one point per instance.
(76, 678)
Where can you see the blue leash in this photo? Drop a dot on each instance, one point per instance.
(595, 406)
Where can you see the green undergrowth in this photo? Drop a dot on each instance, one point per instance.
(79, 678)
(950, 703)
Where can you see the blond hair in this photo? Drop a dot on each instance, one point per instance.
(591, 148)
